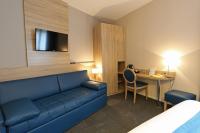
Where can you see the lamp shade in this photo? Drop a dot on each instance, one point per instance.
(171, 59)
(95, 70)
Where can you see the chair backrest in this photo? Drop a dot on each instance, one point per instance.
(129, 75)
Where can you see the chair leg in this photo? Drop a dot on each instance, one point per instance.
(146, 93)
(125, 93)
(165, 105)
(134, 98)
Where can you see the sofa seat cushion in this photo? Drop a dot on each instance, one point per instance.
(19, 110)
(59, 104)
(76, 97)
(50, 108)
(1, 119)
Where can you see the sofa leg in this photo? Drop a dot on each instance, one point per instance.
(165, 105)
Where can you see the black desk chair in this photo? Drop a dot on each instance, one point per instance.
(132, 85)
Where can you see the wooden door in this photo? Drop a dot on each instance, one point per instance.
(109, 57)
(119, 38)
(108, 43)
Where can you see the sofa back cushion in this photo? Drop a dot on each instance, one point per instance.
(72, 80)
(33, 88)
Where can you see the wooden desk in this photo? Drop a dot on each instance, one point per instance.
(154, 77)
(158, 80)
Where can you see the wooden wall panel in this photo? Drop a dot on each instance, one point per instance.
(45, 14)
(36, 71)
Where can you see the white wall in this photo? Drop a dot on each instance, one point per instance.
(12, 35)
(166, 25)
(81, 35)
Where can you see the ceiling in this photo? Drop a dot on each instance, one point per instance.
(107, 9)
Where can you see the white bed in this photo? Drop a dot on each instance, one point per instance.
(171, 119)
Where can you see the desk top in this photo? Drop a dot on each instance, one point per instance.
(154, 77)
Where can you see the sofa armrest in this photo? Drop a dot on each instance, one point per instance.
(18, 111)
(94, 85)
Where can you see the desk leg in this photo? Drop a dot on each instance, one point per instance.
(171, 84)
(158, 91)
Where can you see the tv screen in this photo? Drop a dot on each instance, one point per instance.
(50, 41)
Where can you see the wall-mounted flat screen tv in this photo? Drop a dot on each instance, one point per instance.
(50, 41)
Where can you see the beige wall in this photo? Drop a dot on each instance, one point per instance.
(161, 26)
(81, 35)
(12, 35)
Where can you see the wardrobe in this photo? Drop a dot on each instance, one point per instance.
(109, 55)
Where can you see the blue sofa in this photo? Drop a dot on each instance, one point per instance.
(50, 104)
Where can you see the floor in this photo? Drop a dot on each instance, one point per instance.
(119, 116)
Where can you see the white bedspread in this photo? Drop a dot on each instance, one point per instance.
(171, 119)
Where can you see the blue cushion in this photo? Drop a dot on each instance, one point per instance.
(64, 122)
(19, 110)
(50, 108)
(141, 83)
(72, 80)
(3, 130)
(59, 104)
(1, 119)
(79, 96)
(177, 96)
(138, 84)
(28, 88)
(94, 85)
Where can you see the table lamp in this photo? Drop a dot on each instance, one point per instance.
(96, 71)
(171, 60)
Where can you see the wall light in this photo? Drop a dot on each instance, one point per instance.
(172, 59)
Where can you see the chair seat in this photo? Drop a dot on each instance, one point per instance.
(139, 84)
(177, 96)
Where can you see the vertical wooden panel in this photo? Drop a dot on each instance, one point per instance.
(107, 40)
(120, 37)
(108, 51)
(50, 15)
(97, 47)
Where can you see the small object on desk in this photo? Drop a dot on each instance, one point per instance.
(158, 75)
(169, 76)
(137, 71)
(130, 66)
(152, 71)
